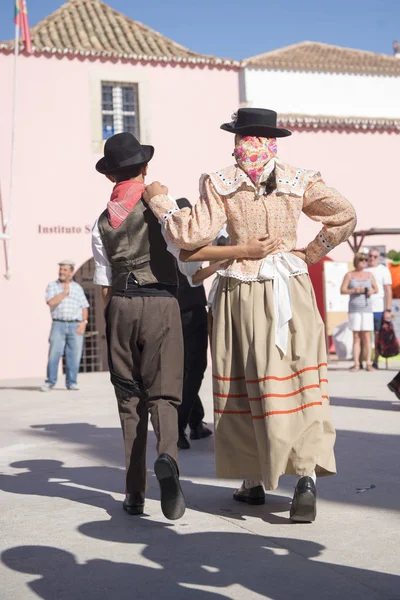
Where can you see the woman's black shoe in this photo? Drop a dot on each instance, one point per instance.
(304, 503)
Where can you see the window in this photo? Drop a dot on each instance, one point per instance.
(119, 107)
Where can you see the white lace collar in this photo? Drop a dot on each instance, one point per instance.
(289, 180)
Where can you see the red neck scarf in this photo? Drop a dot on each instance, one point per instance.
(124, 198)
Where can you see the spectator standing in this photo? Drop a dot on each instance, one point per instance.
(382, 301)
(69, 311)
(360, 285)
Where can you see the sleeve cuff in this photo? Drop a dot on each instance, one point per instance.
(189, 270)
(190, 280)
(318, 248)
(102, 276)
(172, 248)
(162, 207)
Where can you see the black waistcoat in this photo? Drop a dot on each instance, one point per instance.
(137, 247)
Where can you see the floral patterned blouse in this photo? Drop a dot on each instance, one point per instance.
(230, 197)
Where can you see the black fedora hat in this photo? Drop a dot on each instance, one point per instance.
(259, 122)
(123, 150)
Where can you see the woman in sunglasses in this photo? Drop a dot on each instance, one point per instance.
(360, 285)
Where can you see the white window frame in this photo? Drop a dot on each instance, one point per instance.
(118, 113)
(132, 75)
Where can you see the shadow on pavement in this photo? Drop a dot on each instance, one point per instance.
(212, 562)
(94, 486)
(368, 404)
(198, 566)
(360, 456)
(28, 388)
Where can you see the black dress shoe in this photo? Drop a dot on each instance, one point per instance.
(172, 500)
(395, 388)
(183, 442)
(255, 495)
(134, 504)
(199, 432)
(304, 503)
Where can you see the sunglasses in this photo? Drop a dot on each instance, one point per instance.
(373, 255)
(363, 260)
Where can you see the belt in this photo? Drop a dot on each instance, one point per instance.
(65, 321)
(280, 267)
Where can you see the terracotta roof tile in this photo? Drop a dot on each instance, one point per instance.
(318, 57)
(92, 28)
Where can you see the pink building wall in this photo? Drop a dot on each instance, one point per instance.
(56, 183)
(363, 167)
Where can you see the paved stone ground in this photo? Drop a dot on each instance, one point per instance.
(65, 537)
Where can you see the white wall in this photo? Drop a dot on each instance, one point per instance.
(321, 93)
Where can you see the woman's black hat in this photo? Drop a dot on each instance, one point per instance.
(123, 150)
(259, 122)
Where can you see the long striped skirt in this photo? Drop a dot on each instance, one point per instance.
(272, 413)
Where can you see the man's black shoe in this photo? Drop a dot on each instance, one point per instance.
(183, 442)
(172, 500)
(304, 503)
(375, 365)
(134, 504)
(395, 388)
(199, 432)
(255, 495)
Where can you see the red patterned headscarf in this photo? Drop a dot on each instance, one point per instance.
(252, 155)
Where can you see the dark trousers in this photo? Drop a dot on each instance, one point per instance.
(194, 327)
(145, 355)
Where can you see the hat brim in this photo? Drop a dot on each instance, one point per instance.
(144, 156)
(257, 130)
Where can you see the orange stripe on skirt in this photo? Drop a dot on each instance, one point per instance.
(267, 414)
(288, 412)
(272, 377)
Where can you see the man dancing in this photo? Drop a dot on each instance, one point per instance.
(143, 324)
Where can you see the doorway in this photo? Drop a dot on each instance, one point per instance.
(94, 356)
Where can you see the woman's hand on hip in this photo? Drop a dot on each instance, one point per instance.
(300, 254)
(261, 247)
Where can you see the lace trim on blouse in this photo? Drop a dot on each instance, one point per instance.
(289, 181)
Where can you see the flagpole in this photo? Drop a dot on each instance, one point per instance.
(13, 148)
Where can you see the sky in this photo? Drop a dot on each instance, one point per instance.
(238, 29)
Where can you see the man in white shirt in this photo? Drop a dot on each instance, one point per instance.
(143, 324)
(69, 312)
(382, 301)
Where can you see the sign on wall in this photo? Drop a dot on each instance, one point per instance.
(63, 229)
(334, 273)
(336, 304)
